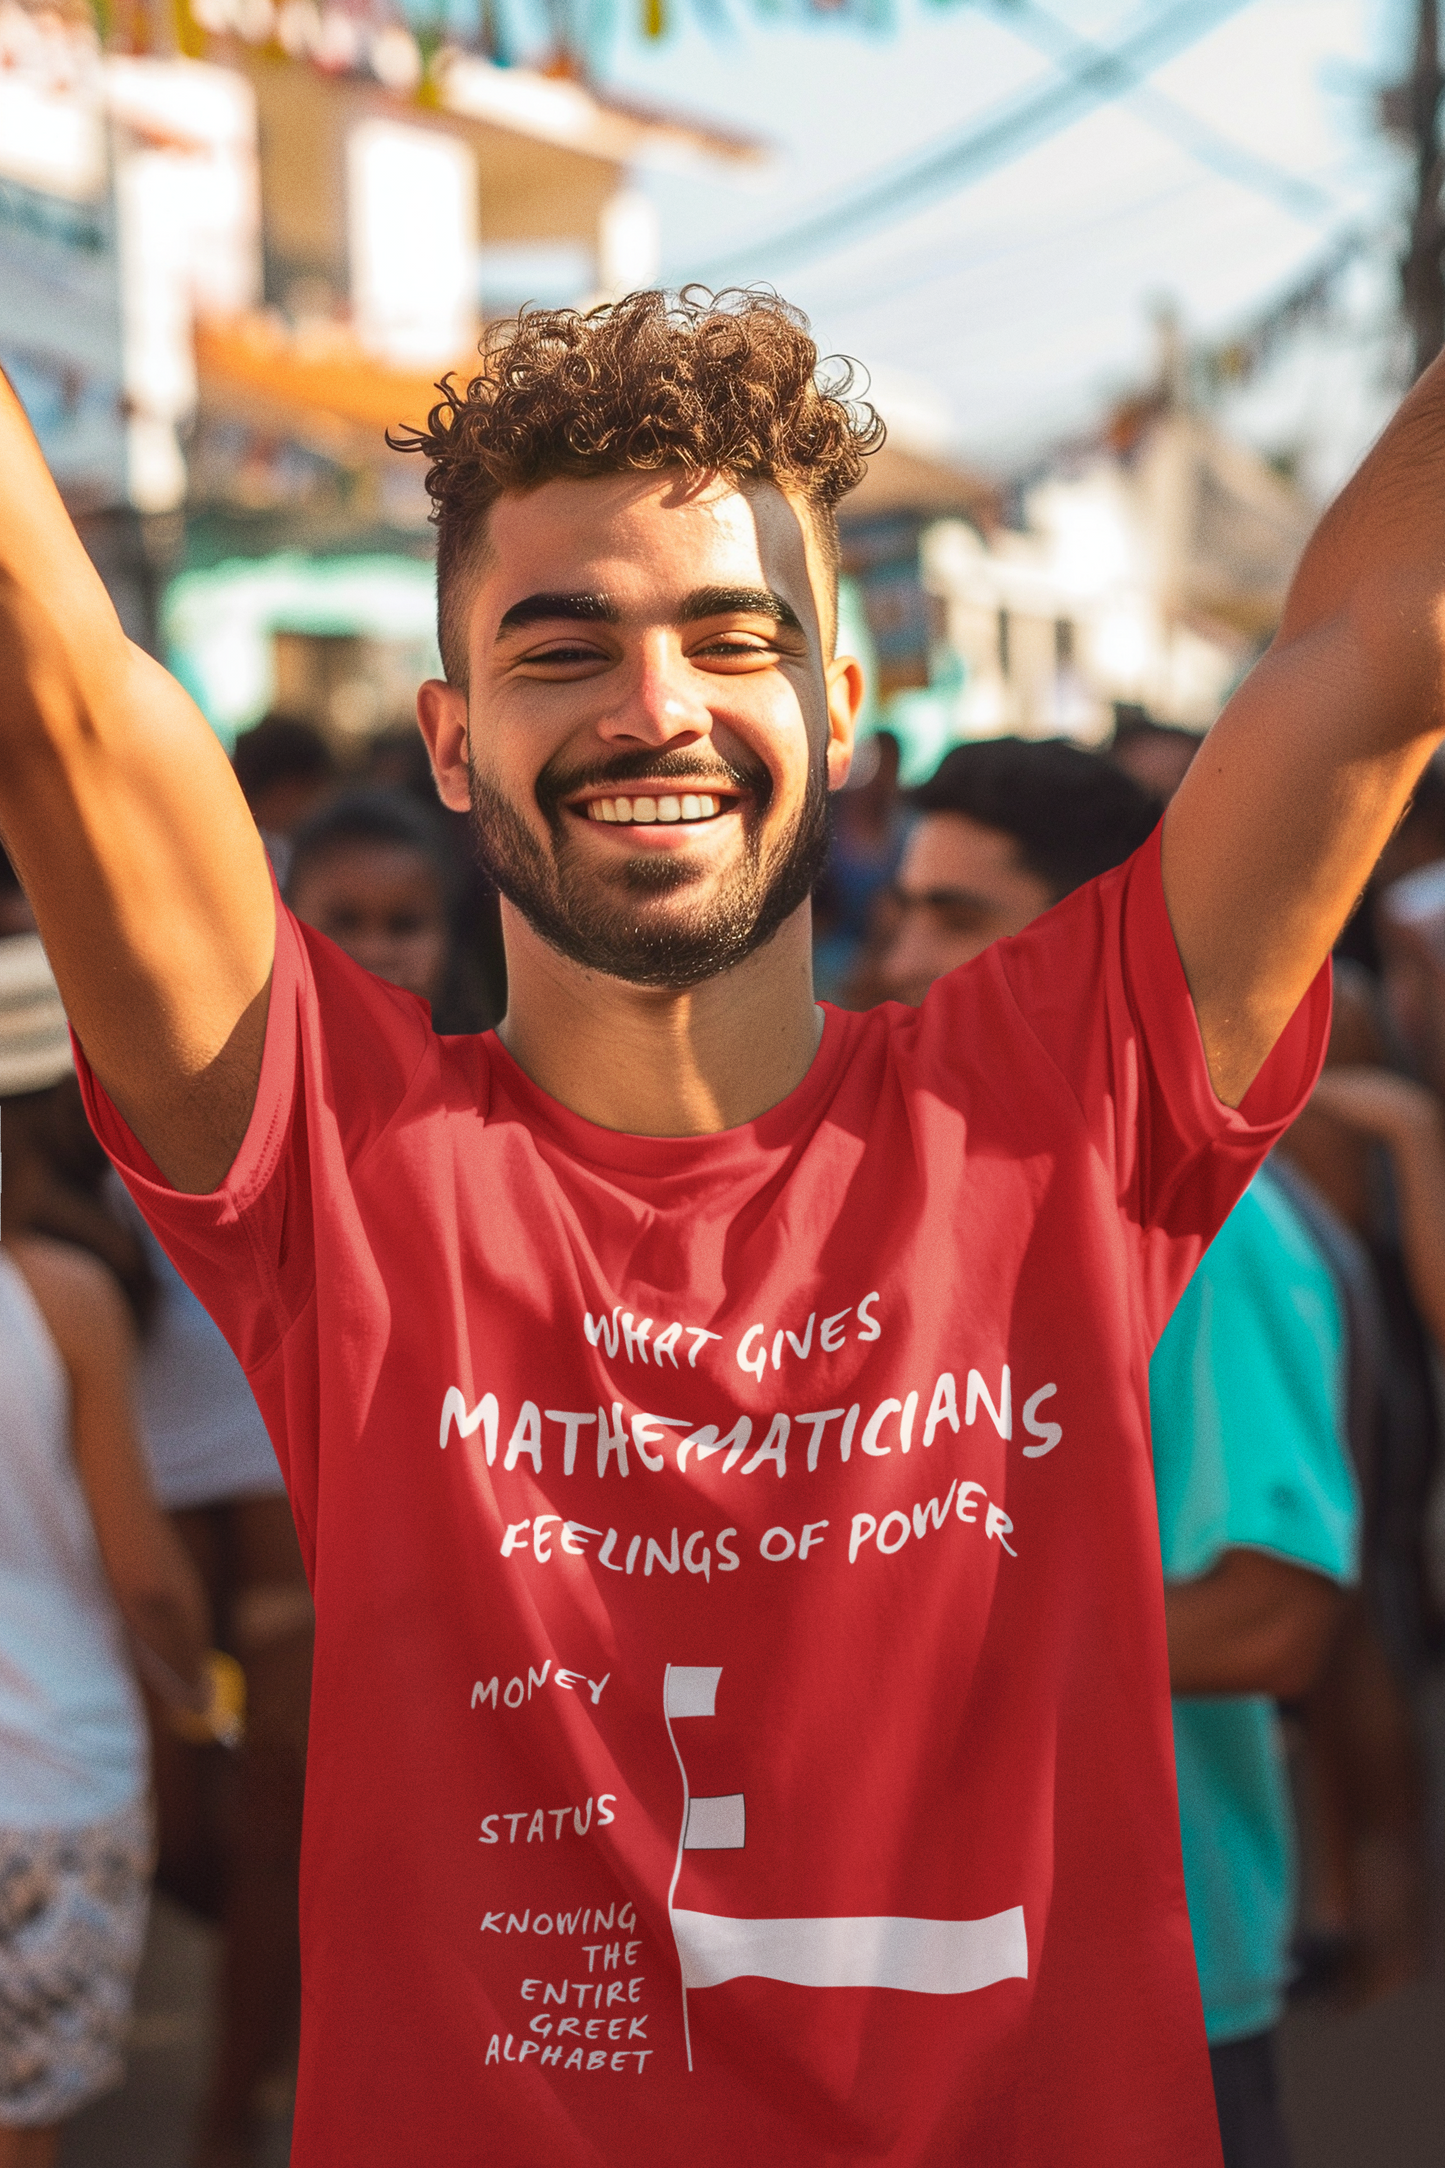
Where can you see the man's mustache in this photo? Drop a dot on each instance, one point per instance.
(555, 785)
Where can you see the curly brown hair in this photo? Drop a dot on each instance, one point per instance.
(727, 383)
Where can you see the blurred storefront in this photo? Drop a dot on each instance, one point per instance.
(1143, 568)
(908, 487)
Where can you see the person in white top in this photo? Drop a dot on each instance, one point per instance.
(88, 1564)
(227, 1829)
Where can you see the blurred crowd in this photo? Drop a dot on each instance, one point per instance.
(151, 1585)
(151, 1588)
(1295, 1395)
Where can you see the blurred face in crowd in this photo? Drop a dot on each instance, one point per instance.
(960, 887)
(652, 721)
(383, 904)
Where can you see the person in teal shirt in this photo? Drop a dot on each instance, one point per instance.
(1259, 1527)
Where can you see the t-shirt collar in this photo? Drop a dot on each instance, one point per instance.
(778, 1127)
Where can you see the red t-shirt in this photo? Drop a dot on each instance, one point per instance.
(741, 1713)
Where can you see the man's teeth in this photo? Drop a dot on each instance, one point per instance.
(626, 812)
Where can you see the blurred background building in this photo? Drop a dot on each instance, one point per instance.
(1141, 567)
(240, 238)
(223, 277)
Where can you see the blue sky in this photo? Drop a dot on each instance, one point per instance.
(1004, 313)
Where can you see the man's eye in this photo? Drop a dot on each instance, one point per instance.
(570, 653)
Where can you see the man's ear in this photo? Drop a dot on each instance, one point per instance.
(844, 679)
(441, 712)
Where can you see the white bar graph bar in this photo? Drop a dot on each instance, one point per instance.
(716, 1825)
(923, 1957)
(691, 1689)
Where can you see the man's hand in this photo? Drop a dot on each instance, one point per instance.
(1254, 1624)
(1295, 791)
(123, 819)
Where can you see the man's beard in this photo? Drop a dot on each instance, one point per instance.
(597, 924)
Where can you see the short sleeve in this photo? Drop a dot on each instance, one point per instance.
(1246, 1396)
(341, 1050)
(1100, 985)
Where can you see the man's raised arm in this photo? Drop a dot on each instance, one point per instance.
(126, 825)
(1297, 787)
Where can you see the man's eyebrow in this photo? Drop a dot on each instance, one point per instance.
(738, 602)
(540, 609)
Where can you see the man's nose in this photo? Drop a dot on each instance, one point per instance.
(662, 700)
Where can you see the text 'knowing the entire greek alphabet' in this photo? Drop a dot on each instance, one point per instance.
(575, 2021)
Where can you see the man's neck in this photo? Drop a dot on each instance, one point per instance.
(654, 1063)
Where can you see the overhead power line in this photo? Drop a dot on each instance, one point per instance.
(1190, 131)
(1103, 238)
(1243, 352)
(1016, 126)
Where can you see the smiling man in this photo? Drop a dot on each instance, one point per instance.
(717, 1427)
